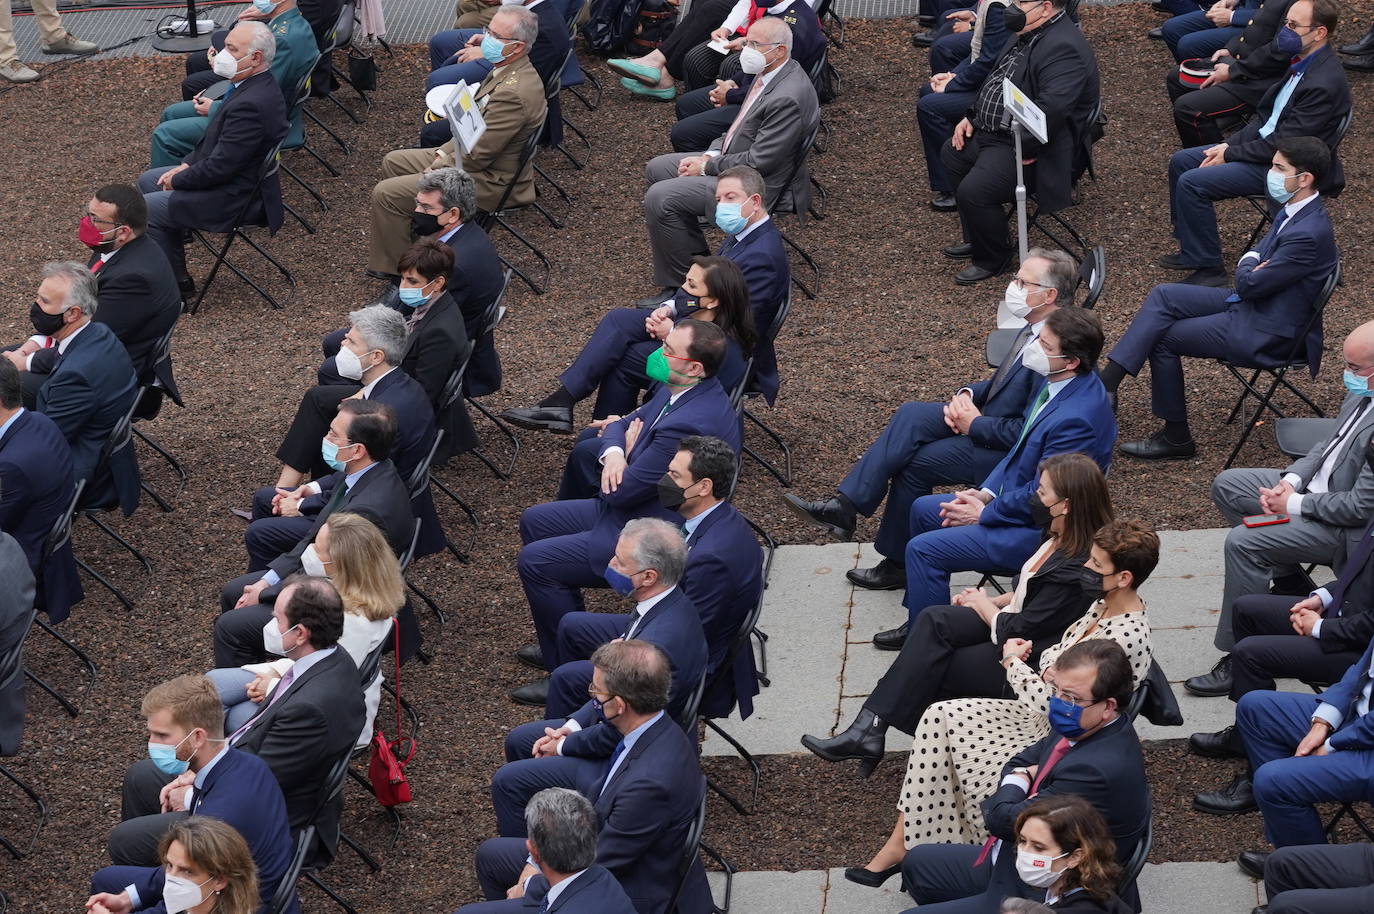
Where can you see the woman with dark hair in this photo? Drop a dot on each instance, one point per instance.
(208, 870)
(1063, 846)
(612, 361)
(961, 745)
(953, 651)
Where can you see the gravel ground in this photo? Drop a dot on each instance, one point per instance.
(888, 302)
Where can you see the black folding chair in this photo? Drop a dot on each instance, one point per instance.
(784, 204)
(1130, 870)
(343, 28)
(770, 544)
(1277, 373)
(11, 666)
(1050, 224)
(831, 23)
(91, 507)
(59, 536)
(751, 391)
(331, 788)
(420, 479)
(497, 216)
(250, 215)
(1092, 274)
(691, 847)
(1296, 437)
(296, 139)
(723, 673)
(496, 312)
(146, 389)
(588, 77)
(1266, 207)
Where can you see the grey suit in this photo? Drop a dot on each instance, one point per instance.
(768, 138)
(16, 613)
(1327, 528)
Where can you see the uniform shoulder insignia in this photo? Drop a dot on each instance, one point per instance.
(279, 29)
(790, 18)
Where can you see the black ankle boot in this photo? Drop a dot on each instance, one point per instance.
(862, 741)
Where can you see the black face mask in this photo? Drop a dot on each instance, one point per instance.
(1093, 587)
(1039, 511)
(1013, 17)
(424, 224)
(45, 323)
(670, 494)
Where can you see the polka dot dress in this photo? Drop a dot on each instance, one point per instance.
(962, 744)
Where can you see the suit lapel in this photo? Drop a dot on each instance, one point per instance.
(645, 740)
(268, 712)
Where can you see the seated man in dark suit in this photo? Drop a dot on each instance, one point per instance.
(1200, 33)
(1092, 752)
(1306, 749)
(561, 826)
(1053, 64)
(1312, 640)
(92, 386)
(191, 771)
(991, 528)
(215, 182)
(646, 567)
(706, 112)
(16, 614)
(281, 539)
(933, 444)
(567, 543)
(136, 291)
(620, 342)
(1276, 287)
(638, 768)
(1310, 103)
(1320, 879)
(36, 486)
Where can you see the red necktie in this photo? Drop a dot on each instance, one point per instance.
(756, 12)
(1060, 749)
(95, 267)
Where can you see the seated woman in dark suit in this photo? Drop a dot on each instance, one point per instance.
(612, 361)
(954, 651)
(1064, 847)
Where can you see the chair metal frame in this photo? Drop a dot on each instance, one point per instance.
(770, 544)
(121, 436)
(1036, 219)
(297, 114)
(497, 217)
(586, 74)
(11, 666)
(1297, 357)
(724, 671)
(495, 313)
(748, 391)
(330, 788)
(1131, 869)
(825, 10)
(161, 352)
(693, 846)
(269, 166)
(784, 204)
(340, 38)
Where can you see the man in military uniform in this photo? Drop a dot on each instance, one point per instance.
(183, 123)
(511, 99)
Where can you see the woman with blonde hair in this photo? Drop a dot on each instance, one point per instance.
(207, 867)
(358, 560)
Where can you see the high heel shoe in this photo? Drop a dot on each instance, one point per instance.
(863, 740)
(864, 876)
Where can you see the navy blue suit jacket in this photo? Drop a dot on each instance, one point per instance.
(474, 284)
(1003, 399)
(645, 811)
(1355, 732)
(761, 259)
(594, 892)
(1276, 300)
(1078, 419)
(226, 162)
(724, 579)
(970, 73)
(36, 485)
(240, 790)
(415, 430)
(90, 389)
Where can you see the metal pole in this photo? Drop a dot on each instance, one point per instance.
(1020, 192)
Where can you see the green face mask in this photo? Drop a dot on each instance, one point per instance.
(656, 366)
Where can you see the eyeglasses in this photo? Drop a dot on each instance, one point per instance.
(1022, 283)
(496, 36)
(597, 695)
(1078, 702)
(760, 45)
(98, 221)
(1295, 27)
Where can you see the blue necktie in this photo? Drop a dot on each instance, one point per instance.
(615, 754)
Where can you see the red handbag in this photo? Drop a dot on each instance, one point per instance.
(386, 769)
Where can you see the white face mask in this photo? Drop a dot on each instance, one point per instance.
(181, 894)
(272, 638)
(1013, 305)
(225, 65)
(348, 365)
(1038, 869)
(311, 564)
(1034, 358)
(752, 61)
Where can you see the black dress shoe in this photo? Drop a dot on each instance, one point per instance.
(187, 287)
(886, 575)
(239, 512)
(1251, 863)
(1159, 7)
(862, 740)
(538, 418)
(1174, 261)
(1215, 683)
(892, 639)
(1364, 63)
(1211, 277)
(959, 251)
(1291, 585)
(945, 203)
(1157, 447)
(829, 515)
(922, 39)
(925, 20)
(871, 878)
(974, 274)
(1364, 46)
(385, 277)
(1235, 798)
(658, 298)
(1225, 743)
(535, 694)
(531, 655)
(1261, 909)
(1155, 34)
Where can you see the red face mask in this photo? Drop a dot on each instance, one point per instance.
(91, 236)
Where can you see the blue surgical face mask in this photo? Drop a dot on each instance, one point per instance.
(1288, 42)
(620, 583)
(493, 49)
(599, 708)
(1357, 384)
(1066, 718)
(165, 757)
(264, 6)
(1277, 185)
(729, 219)
(330, 452)
(415, 297)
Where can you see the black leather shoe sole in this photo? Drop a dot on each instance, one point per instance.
(974, 274)
(798, 506)
(534, 694)
(1213, 745)
(1156, 34)
(922, 40)
(1207, 686)
(1151, 449)
(892, 639)
(1363, 63)
(959, 251)
(537, 425)
(871, 579)
(530, 655)
(1222, 808)
(1251, 863)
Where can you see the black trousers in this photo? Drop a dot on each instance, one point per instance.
(300, 449)
(701, 20)
(948, 654)
(984, 178)
(1205, 117)
(1267, 648)
(700, 123)
(1320, 879)
(703, 66)
(133, 842)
